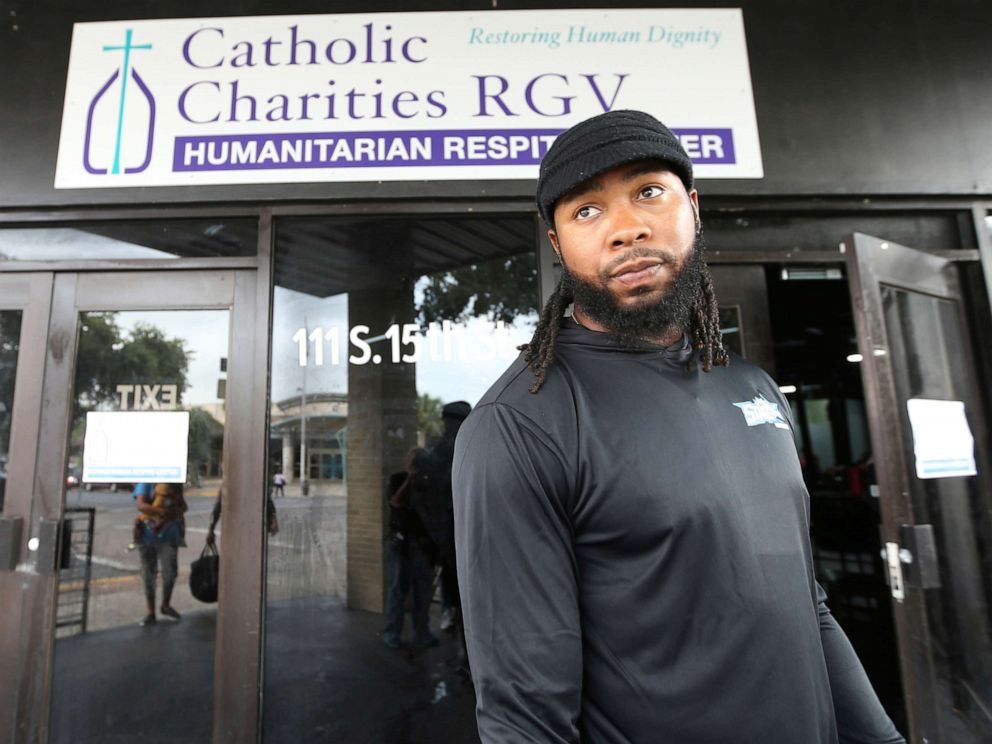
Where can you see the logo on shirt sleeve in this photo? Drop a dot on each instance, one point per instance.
(759, 410)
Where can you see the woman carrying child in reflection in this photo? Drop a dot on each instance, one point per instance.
(159, 532)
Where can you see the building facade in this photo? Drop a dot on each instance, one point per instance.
(315, 328)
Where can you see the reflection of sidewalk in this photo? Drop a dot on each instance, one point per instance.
(317, 488)
(321, 659)
(207, 488)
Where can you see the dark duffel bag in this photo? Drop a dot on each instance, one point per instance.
(204, 574)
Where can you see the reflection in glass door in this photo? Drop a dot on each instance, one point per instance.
(927, 345)
(385, 333)
(134, 651)
(10, 334)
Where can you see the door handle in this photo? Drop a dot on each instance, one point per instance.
(893, 561)
(45, 546)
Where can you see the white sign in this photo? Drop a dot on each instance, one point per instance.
(393, 96)
(135, 446)
(942, 439)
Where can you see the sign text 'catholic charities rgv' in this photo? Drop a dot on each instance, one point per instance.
(393, 96)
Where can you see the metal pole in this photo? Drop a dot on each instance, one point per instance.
(304, 464)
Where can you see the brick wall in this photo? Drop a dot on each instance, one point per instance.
(382, 427)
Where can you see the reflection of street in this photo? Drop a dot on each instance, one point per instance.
(115, 588)
(306, 558)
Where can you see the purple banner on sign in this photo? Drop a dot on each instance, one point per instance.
(401, 149)
(708, 146)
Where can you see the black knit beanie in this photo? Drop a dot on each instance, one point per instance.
(603, 142)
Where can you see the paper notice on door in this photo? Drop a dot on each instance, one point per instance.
(135, 446)
(942, 439)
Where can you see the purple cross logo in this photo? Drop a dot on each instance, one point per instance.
(123, 74)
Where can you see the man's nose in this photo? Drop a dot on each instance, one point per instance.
(628, 226)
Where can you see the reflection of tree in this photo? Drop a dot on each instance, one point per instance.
(108, 358)
(429, 416)
(203, 428)
(502, 289)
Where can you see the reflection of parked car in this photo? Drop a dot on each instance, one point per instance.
(73, 477)
(109, 486)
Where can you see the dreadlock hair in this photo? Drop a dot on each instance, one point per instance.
(704, 328)
(539, 353)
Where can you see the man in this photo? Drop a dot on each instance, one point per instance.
(436, 513)
(630, 513)
(409, 552)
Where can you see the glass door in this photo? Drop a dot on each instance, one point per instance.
(24, 308)
(929, 436)
(745, 321)
(139, 425)
(386, 331)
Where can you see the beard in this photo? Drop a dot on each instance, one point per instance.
(650, 319)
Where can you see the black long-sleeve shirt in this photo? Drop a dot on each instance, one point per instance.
(634, 560)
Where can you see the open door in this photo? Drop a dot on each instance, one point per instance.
(930, 445)
(744, 317)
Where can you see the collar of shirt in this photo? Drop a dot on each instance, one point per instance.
(572, 333)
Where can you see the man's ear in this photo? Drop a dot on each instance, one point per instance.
(553, 237)
(694, 201)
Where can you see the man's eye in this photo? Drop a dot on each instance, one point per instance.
(584, 213)
(649, 192)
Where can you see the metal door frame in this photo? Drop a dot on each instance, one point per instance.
(872, 262)
(46, 365)
(31, 294)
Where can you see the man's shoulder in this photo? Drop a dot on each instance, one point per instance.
(742, 369)
(510, 386)
(513, 390)
(748, 378)
(548, 414)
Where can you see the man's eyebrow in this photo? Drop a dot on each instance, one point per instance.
(586, 187)
(594, 184)
(644, 168)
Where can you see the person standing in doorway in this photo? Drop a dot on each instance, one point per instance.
(159, 532)
(436, 510)
(631, 519)
(278, 485)
(409, 555)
